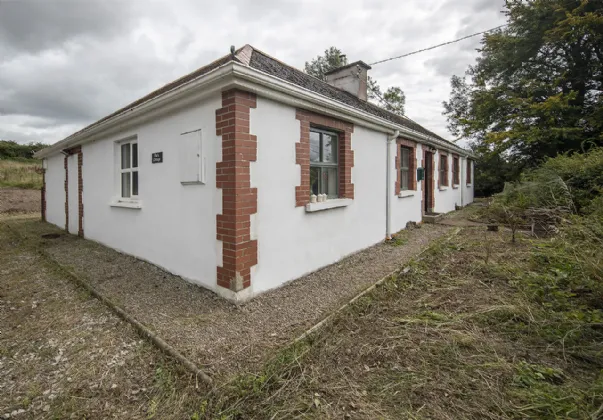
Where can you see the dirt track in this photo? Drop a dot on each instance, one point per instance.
(16, 200)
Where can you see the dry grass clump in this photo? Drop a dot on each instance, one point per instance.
(454, 337)
(21, 173)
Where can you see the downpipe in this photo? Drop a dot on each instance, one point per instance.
(388, 188)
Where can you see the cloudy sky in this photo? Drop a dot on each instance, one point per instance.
(66, 63)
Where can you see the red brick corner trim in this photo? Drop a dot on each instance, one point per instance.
(43, 195)
(412, 168)
(239, 200)
(309, 119)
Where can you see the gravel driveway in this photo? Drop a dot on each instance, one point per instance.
(221, 337)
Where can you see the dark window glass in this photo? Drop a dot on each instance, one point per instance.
(324, 171)
(135, 183)
(125, 184)
(125, 156)
(314, 146)
(135, 155)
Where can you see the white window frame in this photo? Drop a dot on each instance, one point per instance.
(322, 165)
(133, 197)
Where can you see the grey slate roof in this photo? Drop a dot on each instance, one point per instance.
(258, 60)
(269, 65)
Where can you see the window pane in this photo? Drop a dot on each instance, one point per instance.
(314, 146)
(329, 148)
(135, 183)
(125, 184)
(404, 179)
(125, 156)
(405, 157)
(329, 182)
(135, 155)
(314, 177)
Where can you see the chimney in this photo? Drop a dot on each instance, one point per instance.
(351, 78)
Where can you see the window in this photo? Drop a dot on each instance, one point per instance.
(443, 170)
(455, 170)
(468, 171)
(405, 167)
(129, 169)
(324, 168)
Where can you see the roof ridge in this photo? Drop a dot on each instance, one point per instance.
(244, 53)
(353, 97)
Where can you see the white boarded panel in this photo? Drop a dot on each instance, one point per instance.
(192, 167)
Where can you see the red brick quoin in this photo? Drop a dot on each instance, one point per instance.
(239, 200)
(80, 187)
(309, 119)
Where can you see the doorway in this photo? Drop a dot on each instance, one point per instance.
(428, 184)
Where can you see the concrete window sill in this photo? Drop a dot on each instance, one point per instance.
(329, 204)
(469, 185)
(443, 187)
(455, 186)
(126, 204)
(408, 193)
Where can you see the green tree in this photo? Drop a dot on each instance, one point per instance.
(332, 59)
(537, 87)
(393, 99)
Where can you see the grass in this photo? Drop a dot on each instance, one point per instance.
(477, 328)
(454, 337)
(20, 173)
(65, 354)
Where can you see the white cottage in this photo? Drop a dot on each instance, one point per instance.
(248, 173)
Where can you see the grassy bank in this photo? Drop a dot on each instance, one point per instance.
(20, 173)
(479, 328)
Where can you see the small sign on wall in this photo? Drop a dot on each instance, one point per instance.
(157, 157)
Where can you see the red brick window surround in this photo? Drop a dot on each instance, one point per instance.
(239, 200)
(408, 169)
(443, 167)
(468, 171)
(456, 170)
(344, 131)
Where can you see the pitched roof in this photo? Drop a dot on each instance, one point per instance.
(261, 61)
(265, 63)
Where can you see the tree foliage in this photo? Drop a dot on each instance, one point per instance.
(12, 150)
(393, 99)
(537, 87)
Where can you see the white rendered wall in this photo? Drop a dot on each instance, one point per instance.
(407, 208)
(292, 242)
(468, 192)
(176, 226)
(446, 197)
(73, 194)
(55, 190)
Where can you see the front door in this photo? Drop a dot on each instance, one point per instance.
(428, 183)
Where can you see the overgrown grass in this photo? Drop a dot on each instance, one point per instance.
(460, 335)
(20, 173)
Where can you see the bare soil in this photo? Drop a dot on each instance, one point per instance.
(209, 330)
(17, 200)
(63, 354)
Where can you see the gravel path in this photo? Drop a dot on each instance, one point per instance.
(222, 337)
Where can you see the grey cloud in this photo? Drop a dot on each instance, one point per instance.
(64, 64)
(37, 25)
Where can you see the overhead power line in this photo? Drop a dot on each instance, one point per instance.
(437, 46)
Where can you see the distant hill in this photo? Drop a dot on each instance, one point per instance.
(12, 150)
